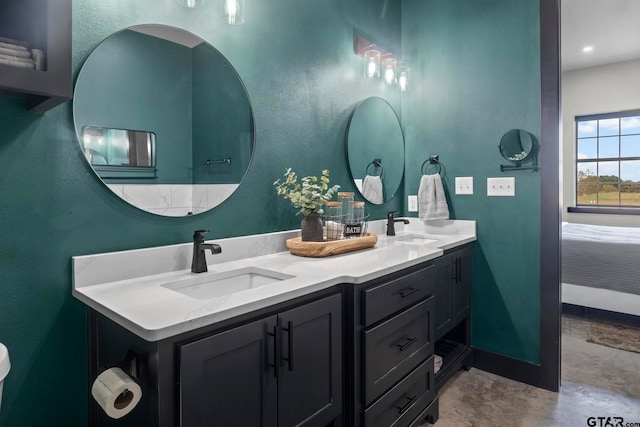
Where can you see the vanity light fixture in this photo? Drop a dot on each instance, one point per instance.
(403, 77)
(191, 4)
(371, 63)
(379, 62)
(390, 73)
(233, 11)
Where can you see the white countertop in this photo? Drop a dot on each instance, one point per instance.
(127, 286)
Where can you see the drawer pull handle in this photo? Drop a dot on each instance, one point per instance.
(289, 330)
(403, 409)
(407, 344)
(408, 291)
(276, 343)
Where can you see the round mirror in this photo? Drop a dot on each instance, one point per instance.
(517, 146)
(375, 150)
(164, 120)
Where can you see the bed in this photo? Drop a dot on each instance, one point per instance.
(601, 267)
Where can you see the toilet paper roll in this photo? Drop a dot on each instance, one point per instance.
(116, 392)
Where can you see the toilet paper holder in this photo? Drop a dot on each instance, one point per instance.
(116, 389)
(129, 364)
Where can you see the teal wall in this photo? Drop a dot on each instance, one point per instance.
(139, 82)
(303, 79)
(222, 124)
(475, 69)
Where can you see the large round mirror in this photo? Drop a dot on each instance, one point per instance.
(164, 120)
(375, 150)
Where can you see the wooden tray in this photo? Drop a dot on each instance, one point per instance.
(333, 247)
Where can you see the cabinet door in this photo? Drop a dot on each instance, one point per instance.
(310, 381)
(228, 379)
(462, 284)
(443, 304)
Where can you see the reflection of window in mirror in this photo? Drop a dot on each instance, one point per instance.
(120, 153)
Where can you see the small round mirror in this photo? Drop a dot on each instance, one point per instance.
(518, 146)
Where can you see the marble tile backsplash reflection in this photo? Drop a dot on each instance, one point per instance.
(174, 199)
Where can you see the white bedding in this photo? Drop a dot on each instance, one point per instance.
(601, 267)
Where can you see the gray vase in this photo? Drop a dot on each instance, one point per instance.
(311, 227)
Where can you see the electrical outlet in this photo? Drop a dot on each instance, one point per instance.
(464, 185)
(412, 204)
(501, 186)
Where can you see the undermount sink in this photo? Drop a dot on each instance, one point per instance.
(415, 240)
(213, 285)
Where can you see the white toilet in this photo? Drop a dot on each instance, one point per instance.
(4, 367)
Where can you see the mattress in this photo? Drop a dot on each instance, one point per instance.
(601, 257)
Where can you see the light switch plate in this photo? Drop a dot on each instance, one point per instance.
(501, 186)
(464, 185)
(412, 204)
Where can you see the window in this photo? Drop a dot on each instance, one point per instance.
(608, 160)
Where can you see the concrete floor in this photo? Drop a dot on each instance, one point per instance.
(597, 381)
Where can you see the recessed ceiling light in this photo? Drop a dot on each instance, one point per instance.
(587, 49)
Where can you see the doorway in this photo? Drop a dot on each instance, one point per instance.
(600, 117)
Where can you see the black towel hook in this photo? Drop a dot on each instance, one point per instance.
(432, 160)
(376, 163)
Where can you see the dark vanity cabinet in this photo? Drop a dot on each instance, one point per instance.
(279, 366)
(452, 312)
(390, 334)
(284, 370)
(45, 25)
(355, 355)
(453, 282)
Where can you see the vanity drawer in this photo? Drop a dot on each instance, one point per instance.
(387, 298)
(395, 347)
(402, 405)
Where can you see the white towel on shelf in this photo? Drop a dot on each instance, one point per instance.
(437, 363)
(372, 189)
(20, 43)
(12, 46)
(14, 52)
(432, 203)
(15, 63)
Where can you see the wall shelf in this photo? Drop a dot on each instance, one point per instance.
(45, 25)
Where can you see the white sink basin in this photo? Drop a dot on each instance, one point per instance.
(213, 285)
(415, 240)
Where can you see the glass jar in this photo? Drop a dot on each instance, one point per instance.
(355, 223)
(333, 221)
(333, 210)
(357, 211)
(346, 198)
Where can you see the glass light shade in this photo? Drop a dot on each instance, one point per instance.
(390, 67)
(234, 11)
(403, 78)
(191, 3)
(371, 64)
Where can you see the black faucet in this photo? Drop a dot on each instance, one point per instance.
(199, 262)
(391, 223)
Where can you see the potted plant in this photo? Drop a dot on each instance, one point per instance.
(308, 195)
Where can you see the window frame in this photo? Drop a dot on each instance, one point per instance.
(598, 208)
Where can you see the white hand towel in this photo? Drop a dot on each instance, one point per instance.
(372, 189)
(432, 203)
